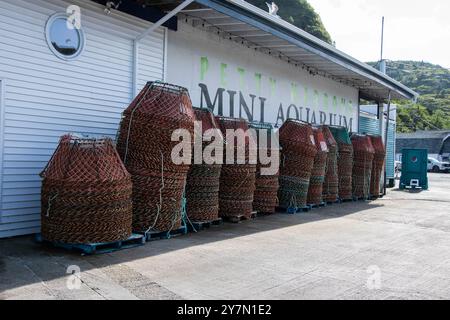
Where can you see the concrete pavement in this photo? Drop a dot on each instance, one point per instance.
(393, 248)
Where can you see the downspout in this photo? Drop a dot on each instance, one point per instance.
(380, 118)
(359, 112)
(135, 67)
(386, 141)
(146, 32)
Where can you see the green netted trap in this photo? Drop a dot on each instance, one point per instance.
(340, 134)
(345, 161)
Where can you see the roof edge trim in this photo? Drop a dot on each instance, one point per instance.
(260, 19)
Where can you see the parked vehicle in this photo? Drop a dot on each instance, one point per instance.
(435, 165)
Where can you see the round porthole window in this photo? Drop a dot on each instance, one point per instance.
(64, 40)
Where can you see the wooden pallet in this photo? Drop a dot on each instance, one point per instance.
(318, 206)
(165, 235)
(293, 210)
(241, 218)
(330, 203)
(356, 199)
(199, 226)
(96, 248)
(265, 214)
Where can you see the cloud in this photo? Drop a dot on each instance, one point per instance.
(415, 29)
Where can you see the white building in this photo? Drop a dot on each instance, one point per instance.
(233, 57)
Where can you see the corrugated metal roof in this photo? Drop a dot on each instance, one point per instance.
(439, 134)
(257, 29)
(432, 145)
(433, 141)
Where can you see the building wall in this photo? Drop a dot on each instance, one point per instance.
(369, 124)
(390, 150)
(45, 97)
(446, 149)
(271, 89)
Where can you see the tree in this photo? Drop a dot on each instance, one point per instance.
(301, 14)
(432, 82)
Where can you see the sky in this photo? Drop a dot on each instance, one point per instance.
(414, 29)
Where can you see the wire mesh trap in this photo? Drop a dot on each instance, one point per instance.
(331, 181)
(237, 181)
(345, 161)
(377, 166)
(297, 160)
(318, 172)
(145, 146)
(362, 166)
(86, 193)
(202, 189)
(266, 193)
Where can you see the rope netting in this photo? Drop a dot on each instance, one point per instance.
(237, 181)
(86, 193)
(318, 172)
(331, 181)
(362, 166)
(144, 143)
(345, 161)
(202, 188)
(266, 193)
(378, 165)
(298, 151)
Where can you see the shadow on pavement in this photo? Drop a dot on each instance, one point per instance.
(24, 262)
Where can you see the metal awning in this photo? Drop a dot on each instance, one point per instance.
(242, 22)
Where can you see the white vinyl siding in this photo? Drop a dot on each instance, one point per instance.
(45, 97)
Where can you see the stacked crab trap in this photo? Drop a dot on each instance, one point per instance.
(86, 197)
(145, 146)
(331, 181)
(95, 196)
(298, 151)
(315, 198)
(266, 193)
(345, 162)
(362, 167)
(237, 180)
(202, 189)
(377, 166)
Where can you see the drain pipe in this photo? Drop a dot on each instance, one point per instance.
(386, 141)
(135, 68)
(146, 32)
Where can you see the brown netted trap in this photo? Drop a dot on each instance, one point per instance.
(144, 144)
(237, 181)
(202, 189)
(378, 165)
(331, 181)
(86, 193)
(297, 161)
(266, 193)
(362, 166)
(318, 171)
(345, 161)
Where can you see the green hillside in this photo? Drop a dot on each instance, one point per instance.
(301, 14)
(432, 82)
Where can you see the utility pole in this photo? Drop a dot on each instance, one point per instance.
(382, 38)
(382, 61)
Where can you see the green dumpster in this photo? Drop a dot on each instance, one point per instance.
(414, 169)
